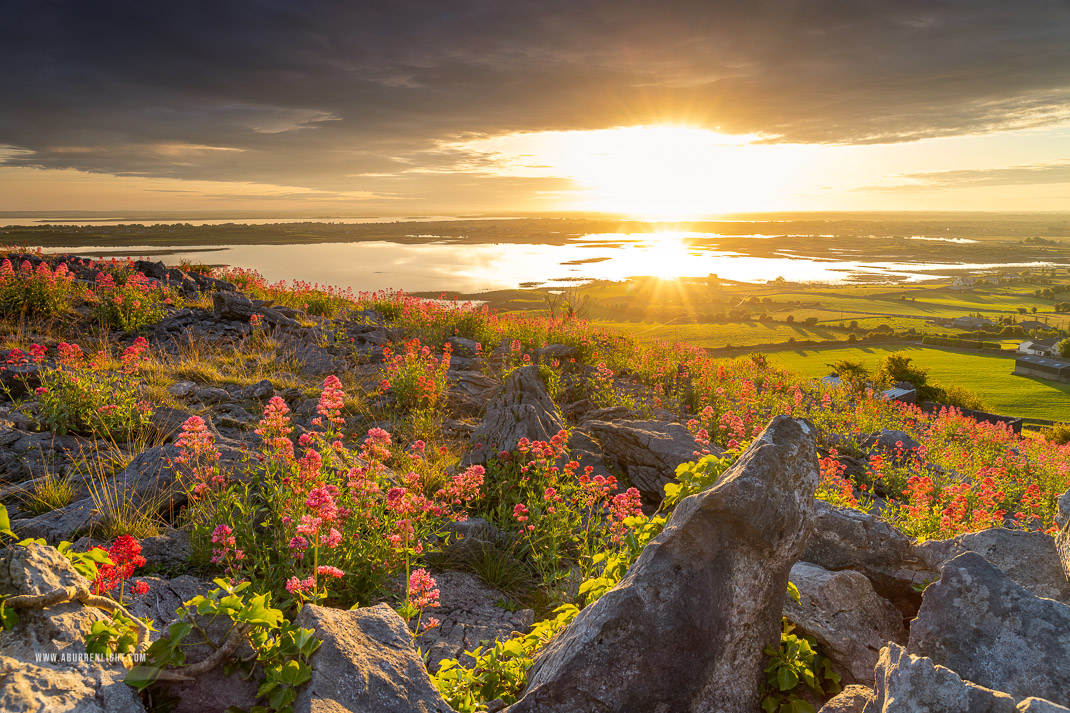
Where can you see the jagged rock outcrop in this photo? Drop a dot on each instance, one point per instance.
(236, 306)
(148, 480)
(468, 618)
(850, 621)
(469, 392)
(366, 664)
(1062, 538)
(522, 409)
(889, 441)
(685, 629)
(852, 699)
(907, 683)
(850, 539)
(1029, 558)
(645, 451)
(317, 361)
(989, 629)
(43, 666)
(165, 596)
(169, 277)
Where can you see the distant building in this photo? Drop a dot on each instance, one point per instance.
(1043, 368)
(903, 391)
(970, 322)
(1032, 324)
(1039, 347)
(963, 283)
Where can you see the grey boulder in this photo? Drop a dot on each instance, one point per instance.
(912, 684)
(648, 452)
(850, 539)
(685, 628)
(521, 409)
(43, 666)
(850, 621)
(366, 664)
(1029, 558)
(989, 629)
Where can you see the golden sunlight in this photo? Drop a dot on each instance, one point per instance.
(659, 172)
(665, 259)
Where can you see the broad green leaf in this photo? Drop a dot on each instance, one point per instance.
(786, 679)
(141, 676)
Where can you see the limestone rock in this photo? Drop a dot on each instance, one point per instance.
(469, 392)
(980, 623)
(646, 451)
(1062, 550)
(1062, 539)
(1039, 705)
(164, 598)
(260, 391)
(236, 306)
(317, 361)
(888, 441)
(1029, 558)
(522, 409)
(168, 422)
(462, 347)
(367, 664)
(560, 352)
(212, 394)
(850, 621)
(1062, 516)
(852, 699)
(148, 479)
(850, 539)
(686, 627)
(468, 617)
(19, 379)
(69, 683)
(913, 684)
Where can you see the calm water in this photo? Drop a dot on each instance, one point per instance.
(449, 265)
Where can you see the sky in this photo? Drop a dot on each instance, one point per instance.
(679, 108)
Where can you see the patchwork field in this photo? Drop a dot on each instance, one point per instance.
(989, 376)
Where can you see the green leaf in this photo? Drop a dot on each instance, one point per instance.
(256, 611)
(8, 617)
(769, 704)
(800, 706)
(97, 555)
(786, 679)
(140, 677)
(513, 648)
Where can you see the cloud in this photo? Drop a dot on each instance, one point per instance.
(1031, 174)
(332, 94)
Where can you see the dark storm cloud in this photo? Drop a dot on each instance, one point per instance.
(1032, 174)
(320, 93)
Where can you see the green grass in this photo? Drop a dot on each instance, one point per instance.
(989, 376)
(722, 334)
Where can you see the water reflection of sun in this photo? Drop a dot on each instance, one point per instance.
(666, 257)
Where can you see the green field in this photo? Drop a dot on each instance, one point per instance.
(989, 376)
(741, 334)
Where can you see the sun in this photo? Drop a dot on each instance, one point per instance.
(663, 172)
(654, 172)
